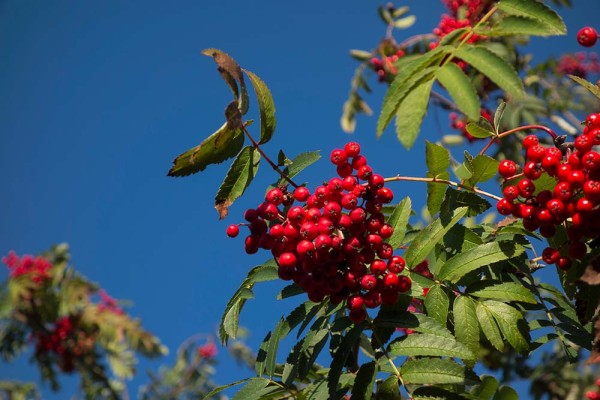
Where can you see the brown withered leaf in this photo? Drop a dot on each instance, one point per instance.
(594, 357)
(232, 74)
(591, 275)
(222, 207)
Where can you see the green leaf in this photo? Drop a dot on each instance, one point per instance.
(466, 326)
(463, 263)
(219, 389)
(484, 169)
(459, 198)
(265, 362)
(432, 234)
(498, 114)
(492, 66)
(410, 113)
(408, 77)
(508, 291)
(506, 393)
(250, 390)
(489, 327)
(436, 304)
(389, 389)
(432, 371)
(461, 90)
(511, 323)
(240, 174)
(438, 162)
(363, 384)
(535, 10)
(340, 356)
(218, 147)
(230, 318)
(290, 291)
(266, 107)
(515, 25)
(399, 220)
(415, 321)
(477, 130)
(594, 89)
(299, 163)
(486, 389)
(436, 393)
(231, 72)
(420, 344)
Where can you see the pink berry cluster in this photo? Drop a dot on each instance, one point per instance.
(66, 340)
(207, 351)
(38, 268)
(460, 123)
(108, 303)
(385, 65)
(332, 242)
(578, 64)
(594, 394)
(574, 201)
(473, 9)
(463, 13)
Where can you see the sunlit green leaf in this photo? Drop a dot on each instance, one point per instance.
(511, 323)
(398, 220)
(433, 371)
(436, 304)
(466, 326)
(420, 344)
(535, 10)
(410, 113)
(266, 106)
(461, 89)
(299, 163)
(489, 327)
(507, 291)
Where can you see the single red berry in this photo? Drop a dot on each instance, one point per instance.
(301, 193)
(564, 263)
(532, 170)
(355, 302)
(591, 160)
(583, 143)
(358, 315)
(378, 267)
(507, 169)
(505, 207)
(396, 264)
(526, 188)
(536, 153)
(550, 255)
(368, 282)
(338, 157)
(373, 299)
(364, 172)
(233, 231)
(358, 162)
(563, 191)
(344, 170)
(385, 195)
(587, 36)
(287, 260)
(405, 283)
(530, 141)
(352, 149)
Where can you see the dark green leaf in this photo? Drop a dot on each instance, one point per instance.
(475, 129)
(433, 371)
(484, 169)
(432, 234)
(459, 198)
(408, 76)
(219, 389)
(466, 325)
(536, 10)
(437, 303)
(299, 163)
(389, 389)
(511, 323)
(492, 66)
(266, 107)
(398, 220)
(290, 291)
(438, 162)
(486, 254)
(486, 389)
(410, 113)
(508, 291)
(363, 384)
(506, 393)
(230, 319)
(422, 344)
(340, 356)
(415, 321)
(240, 174)
(461, 90)
(436, 393)
(218, 147)
(489, 327)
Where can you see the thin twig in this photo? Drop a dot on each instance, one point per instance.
(444, 182)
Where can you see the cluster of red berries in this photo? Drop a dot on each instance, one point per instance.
(574, 201)
(108, 303)
(593, 395)
(460, 123)
(38, 268)
(66, 340)
(587, 36)
(334, 242)
(473, 9)
(385, 65)
(578, 64)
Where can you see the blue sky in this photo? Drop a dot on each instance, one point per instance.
(97, 99)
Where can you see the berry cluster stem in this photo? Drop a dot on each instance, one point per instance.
(271, 163)
(444, 182)
(518, 129)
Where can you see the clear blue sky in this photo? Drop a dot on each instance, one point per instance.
(99, 96)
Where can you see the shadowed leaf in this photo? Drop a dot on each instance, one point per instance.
(240, 174)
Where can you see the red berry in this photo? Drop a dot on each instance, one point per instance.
(301, 193)
(507, 169)
(355, 302)
(352, 149)
(391, 281)
(396, 264)
(233, 231)
(368, 282)
(564, 263)
(587, 36)
(526, 188)
(338, 157)
(364, 172)
(550, 255)
(505, 207)
(530, 141)
(358, 315)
